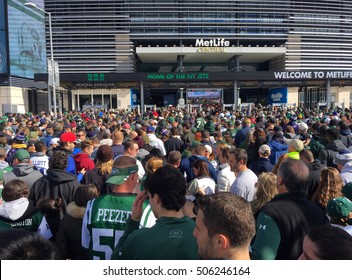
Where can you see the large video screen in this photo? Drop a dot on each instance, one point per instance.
(26, 39)
(3, 54)
(204, 96)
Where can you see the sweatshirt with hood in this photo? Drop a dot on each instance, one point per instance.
(25, 172)
(22, 214)
(57, 183)
(327, 155)
(82, 160)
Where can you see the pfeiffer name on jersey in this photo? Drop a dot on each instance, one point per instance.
(113, 215)
(212, 46)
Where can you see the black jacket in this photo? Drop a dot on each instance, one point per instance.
(57, 183)
(68, 239)
(294, 215)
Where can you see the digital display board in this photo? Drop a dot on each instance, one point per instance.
(3, 54)
(26, 39)
(204, 96)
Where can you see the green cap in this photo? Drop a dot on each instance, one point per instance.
(347, 190)
(120, 175)
(339, 207)
(195, 144)
(21, 155)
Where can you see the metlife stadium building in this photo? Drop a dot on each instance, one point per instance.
(119, 53)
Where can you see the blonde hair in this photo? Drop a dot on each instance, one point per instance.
(153, 164)
(266, 190)
(330, 186)
(104, 167)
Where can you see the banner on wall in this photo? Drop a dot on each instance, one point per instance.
(278, 95)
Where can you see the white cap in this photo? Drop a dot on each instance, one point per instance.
(209, 149)
(303, 127)
(264, 150)
(54, 141)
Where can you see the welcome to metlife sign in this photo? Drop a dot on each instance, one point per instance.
(299, 75)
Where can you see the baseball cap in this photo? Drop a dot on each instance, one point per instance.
(303, 126)
(22, 155)
(120, 175)
(209, 149)
(54, 141)
(264, 150)
(150, 129)
(339, 207)
(68, 137)
(296, 144)
(126, 125)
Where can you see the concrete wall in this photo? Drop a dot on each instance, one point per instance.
(292, 95)
(343, 95)
(123, 96)
(13, 99)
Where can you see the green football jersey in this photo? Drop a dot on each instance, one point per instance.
(34, 222)
(200, 122)
(104, 223)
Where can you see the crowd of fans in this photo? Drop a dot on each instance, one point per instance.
(171, 184)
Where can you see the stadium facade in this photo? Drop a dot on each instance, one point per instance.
(121, 53)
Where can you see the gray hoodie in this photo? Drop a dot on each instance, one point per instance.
(24, 172)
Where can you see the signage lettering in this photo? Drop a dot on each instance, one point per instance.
(219, 42)
(313, 75)
(212, 46)
(178, 76)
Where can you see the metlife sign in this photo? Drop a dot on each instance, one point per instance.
(212, 46)
(278, 95)
(302, 75)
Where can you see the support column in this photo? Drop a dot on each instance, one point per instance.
(102, 98)
(110, 105)
(235, 94)
(117, 99)
(142, 97)
(78, 101)
(73, 100)
(328, 95)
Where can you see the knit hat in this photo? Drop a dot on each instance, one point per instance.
(20, 138)
(339, 207)
(343, 157)
(21, 155)
(296, 144)
(105, 153)
(347, 190)
(91, 134)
